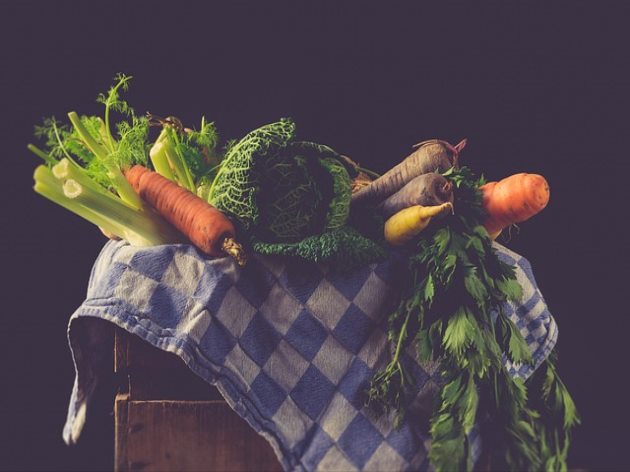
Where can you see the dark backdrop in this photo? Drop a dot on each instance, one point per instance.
(535, 87)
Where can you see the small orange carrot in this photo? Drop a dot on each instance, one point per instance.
(206, 227)
(513, 200)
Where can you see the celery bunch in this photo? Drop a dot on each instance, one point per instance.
(86, 160)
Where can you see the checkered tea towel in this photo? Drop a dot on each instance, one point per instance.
(290, 345)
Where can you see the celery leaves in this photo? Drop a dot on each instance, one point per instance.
(455, 298)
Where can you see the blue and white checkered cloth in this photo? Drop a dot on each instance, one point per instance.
(290, 346)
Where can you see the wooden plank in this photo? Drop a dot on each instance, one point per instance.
(132, 353)
(121, 404)
(170, 384)
(120, 350)
(171, 419)
(142, 355)
(153, 374)
(194, 435)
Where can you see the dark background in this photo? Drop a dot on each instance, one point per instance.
(535, 87)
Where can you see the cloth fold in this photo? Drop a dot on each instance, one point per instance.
(290, 345)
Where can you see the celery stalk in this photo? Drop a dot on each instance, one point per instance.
(57, 196)
(178, 162)
(168, 162)
(123, 188)
(106, 135)
(139, 227)
(68, 169)
(141, 223)
(51, 188)
(159, 158)
(97, 148)
(48, 159)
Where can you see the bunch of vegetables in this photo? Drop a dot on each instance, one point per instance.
(282, 196)
(101, 174)
(452, 310)
(292, 197)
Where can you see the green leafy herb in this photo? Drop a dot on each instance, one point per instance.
(113, 102)
(456, 298)
(84, 171)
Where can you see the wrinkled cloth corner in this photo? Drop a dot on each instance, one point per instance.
(290, 346)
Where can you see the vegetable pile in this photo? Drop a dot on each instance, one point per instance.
(274, 194)
(452, 311)
(268, 192)
(86, 163)
(292, 196)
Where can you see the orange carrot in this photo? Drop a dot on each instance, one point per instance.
(513, 200)
(206, 227)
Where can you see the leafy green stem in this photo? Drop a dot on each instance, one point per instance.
(402, 336)
(48, 159)
(118, 180)
(112, 101)
(58, 138)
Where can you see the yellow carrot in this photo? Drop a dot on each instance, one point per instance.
(403, 226)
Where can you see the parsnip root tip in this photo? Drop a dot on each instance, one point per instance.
(450, 207)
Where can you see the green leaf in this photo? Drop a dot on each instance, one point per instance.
(518, 351)
(429, 289)
(506, 270)
(481, 232)
(441, 240)
(526, 428)
(476, 243)
(448, 267)
(457, 336)
(443, 426)
(475, 287)
(571, 417)
(423, 345)
(451, 392)
(550, 378)
(449, 454)
(458, 246)
(112, 100)
(132, 143)
(518, 390)
(435, 334)
(469, 403)
(511, 288)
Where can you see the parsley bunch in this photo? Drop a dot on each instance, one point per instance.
(453, 312)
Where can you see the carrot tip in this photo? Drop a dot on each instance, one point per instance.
(235, 250)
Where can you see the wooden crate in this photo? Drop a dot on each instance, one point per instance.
(167, 418)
